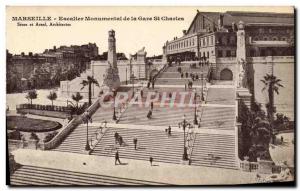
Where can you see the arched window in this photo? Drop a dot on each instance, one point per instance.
(275, 38)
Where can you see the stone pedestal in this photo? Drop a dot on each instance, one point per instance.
(32, 144)
(111, 79)
(265, 167)
(243, 94)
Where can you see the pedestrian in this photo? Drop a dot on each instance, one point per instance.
(281, 138)
(120, 140)
(149, 115)
(142, 93)
(151, 160)
(153, 84)
(116, 137)
(135, 142)
(151, 105)
(148, 84)
(117, 158)
(169, 130)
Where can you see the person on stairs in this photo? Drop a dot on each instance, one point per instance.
(151, 160)
(116, 137)
(149, 115)
(135, 142)
(117, 158)
(169, 131)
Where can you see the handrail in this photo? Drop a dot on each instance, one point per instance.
(70, 126)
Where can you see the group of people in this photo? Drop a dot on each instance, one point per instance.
(119, 139)
(168, 131)
(189, 85)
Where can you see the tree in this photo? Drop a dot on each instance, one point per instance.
(88, 82)
(31, 95)
(52, 96)
(255, 132)
(271, 84)
(77, 97)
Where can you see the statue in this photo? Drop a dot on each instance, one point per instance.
(242, 74)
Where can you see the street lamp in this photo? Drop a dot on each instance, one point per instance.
(114, 115)
(86, 119)
(202, 96)
(195, 113)
(126, 76)
(184, 124)
(132, 78)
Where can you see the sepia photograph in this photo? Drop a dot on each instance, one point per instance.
(150, 96)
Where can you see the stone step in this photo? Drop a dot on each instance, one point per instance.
(29, 175)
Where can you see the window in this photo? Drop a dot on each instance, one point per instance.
(270, 30)
(232, 40)
(220, 54)
(228, 53)
(220, 40)
(255, 39)
(252, 53)
(283, 39)
(233, 53)
(207, 54)
(265, 38)
(261, 30)
(262, 52)
(224, 40)
(275, 38)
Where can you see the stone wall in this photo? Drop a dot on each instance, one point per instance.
(283, 68)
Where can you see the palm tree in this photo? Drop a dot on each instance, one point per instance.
(52, 96)
(89, 81)
(271, 84)
(77, 97)
(31, 95)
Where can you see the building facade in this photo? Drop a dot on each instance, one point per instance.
(264, 41)
(47, 69)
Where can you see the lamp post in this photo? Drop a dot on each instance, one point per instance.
(126, 76)
(86, 118)
(195, 113)
(132, 78)
(202, 96)
(184, 124)
(114, 115)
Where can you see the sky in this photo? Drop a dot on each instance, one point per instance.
(131, 36)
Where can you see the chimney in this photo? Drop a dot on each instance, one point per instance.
(221, 16)
(184, 32)
(54, 48)
(30, 54)
(22, 54)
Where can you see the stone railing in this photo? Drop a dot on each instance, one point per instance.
(226, 60)
(261, 166)
(69, 127)
(274, 59)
